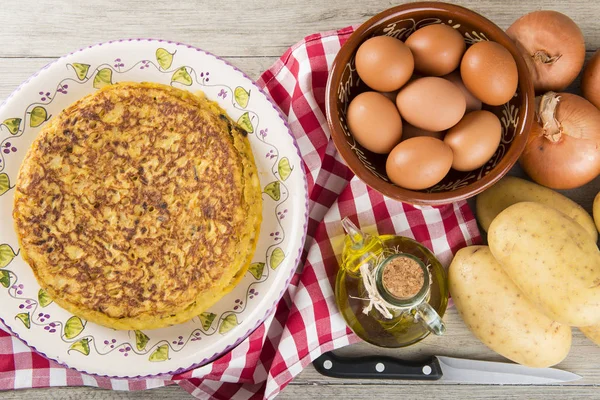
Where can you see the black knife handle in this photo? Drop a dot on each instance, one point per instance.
(377, 367)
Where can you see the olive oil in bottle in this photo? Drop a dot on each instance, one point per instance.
(391, 290)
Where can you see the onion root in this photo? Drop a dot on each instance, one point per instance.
(547, 117)
(544, 58)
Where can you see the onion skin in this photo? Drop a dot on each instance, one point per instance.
(590, 81)
(553, 47)
(563, 149)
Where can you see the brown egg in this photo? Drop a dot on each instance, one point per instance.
(374, 122)
(410, 131)
(419, 163)
(384, 63)
(437, 49)
(474, 140)
(489, 71)
(473, 103)
(431, 103)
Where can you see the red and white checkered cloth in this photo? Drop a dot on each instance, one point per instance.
(306, 322)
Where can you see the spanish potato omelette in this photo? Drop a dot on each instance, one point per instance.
(139, 206)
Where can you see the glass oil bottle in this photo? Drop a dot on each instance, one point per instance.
(369, 304)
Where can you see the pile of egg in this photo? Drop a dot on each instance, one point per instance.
(424, 109)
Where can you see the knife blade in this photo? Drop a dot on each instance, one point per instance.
(446, 369)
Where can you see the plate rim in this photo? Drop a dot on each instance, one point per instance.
(273, 307)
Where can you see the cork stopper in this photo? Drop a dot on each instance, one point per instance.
(403, 277)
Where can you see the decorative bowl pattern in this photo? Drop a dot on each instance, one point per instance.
(344, 84)
(28, 310)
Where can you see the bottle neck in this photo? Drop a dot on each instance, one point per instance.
(402, 280)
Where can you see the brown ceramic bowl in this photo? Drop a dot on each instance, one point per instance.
(344, 84)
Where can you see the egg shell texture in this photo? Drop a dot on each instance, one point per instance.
(431, 103)
(419, 163)
(384, 63)
(474, 140)
(374, 122)
(489, 71)
(437, 49)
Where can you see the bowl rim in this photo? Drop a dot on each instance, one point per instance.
(525, 89)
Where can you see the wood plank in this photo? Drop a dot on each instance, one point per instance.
(173, 392)
(312, 390)
(415, 391)
(51, 29)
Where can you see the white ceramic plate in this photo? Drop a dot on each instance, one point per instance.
(91, 348)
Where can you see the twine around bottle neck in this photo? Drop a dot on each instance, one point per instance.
(380, 298)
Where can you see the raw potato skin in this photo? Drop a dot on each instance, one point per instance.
(498, 314)
(596, 211)
(592, 333)
(511, 190)
(551, 259)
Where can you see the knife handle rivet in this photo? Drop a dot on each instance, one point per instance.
(327, 364)
(379, 367)
(427, 370)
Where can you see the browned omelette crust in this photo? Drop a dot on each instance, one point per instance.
(139, 206)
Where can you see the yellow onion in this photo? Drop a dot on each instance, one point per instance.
(563, 149)
(553, 47)
(590, 81)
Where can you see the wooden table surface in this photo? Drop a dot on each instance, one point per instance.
(252, 35)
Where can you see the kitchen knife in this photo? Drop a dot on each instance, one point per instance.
(446, 369)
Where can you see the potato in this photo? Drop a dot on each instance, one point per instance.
(551, 259)
(596, 211)
(498, 314)
(510, 190)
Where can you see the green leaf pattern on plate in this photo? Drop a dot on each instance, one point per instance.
(277, 257)
(82, 346)
(182, 76)
(206, 319)
(38, 116)
(160, 354)
(273, 189)
(81, 70)
(25, 319)
(245, 123)
(7, 254)
(228, 324)
(141, 340)
(256, 269)
(241, 96)
(12, 124)
(44, 298)
(4, 183)
(103, 78)
(284, 168)
(73, 327)
(5, 278)
(164, 58)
